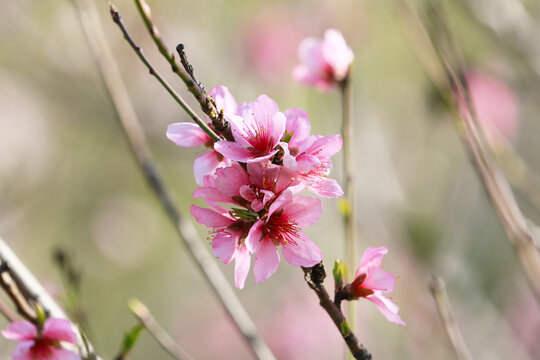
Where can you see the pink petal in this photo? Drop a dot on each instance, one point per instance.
(211, 194)
(253, 238)
(337, 53)
(285, 198)
(304, 210)
(297, 124)
(326, 146)
(378, 279)
(207, 164)
(230, 179)
(372, 258)
(20, 330)
(266, 261)
(22, 351)
(325, 187)
(311, 54)
(233, 151)
(387, 307)
(224, 99)
(186, 134)
(305, 253)
(240, 127)
(242, 261)
(59, 330)
(307, 162)
(277, 128)
(63, 354)
(209, 217)
(224, 246)
(306, 76)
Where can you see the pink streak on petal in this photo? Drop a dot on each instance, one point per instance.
(207, 164)
(59, 330)
(298, 124)
(186, 134)
(224, 246)
(387, 307)
(20, 330)
(233, 151)
(325, 187)
(284, 198)
(372, 258)
(211, 194)
(304, 253)
(378, 279)
(304, 210)
(253, 239)
(266, 261)
(242, 262)
(209, 217)
(224, 99)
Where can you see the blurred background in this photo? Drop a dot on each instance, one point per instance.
(67, 178)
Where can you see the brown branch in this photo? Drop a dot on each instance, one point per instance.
(142, 154)
(314, 277)
(438, 290)
(153, 327)
(208, 105)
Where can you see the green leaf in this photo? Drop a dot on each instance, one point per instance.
(130, 338)
(340, 272)
(345, 329)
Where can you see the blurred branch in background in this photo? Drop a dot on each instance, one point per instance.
(511, 22)
(162, 337)
(448, 77)
(117, 91)
(438, 290)
(30, 291)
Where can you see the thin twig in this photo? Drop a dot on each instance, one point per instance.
(314, 277)
(153, 327)
(29, 285)
(497, 188)
(495, 184)
(143, 156)
(118, 20)
(438, 290)
(208, 105)
(349, 215)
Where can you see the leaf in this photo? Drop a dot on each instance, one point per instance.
(130, 338)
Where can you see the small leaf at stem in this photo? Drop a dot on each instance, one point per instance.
(345, 330)
(340, 272)
(130, 338)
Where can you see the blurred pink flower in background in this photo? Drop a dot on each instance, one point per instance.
(44, 344)
(496, 106)
(371, 282)
(270, 43)
(325, 62)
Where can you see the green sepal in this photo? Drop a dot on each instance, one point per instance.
(340, 272)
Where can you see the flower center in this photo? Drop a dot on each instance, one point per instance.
(281, 229)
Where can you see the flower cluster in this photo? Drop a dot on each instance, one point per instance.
(44, 343)
(251, 184)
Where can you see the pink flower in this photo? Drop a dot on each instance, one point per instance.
(188, 135)
(371, 282)
(44, 344)
(496, 106)
(310, 155)
(257, 129)
(281, 226)
(325, 62)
